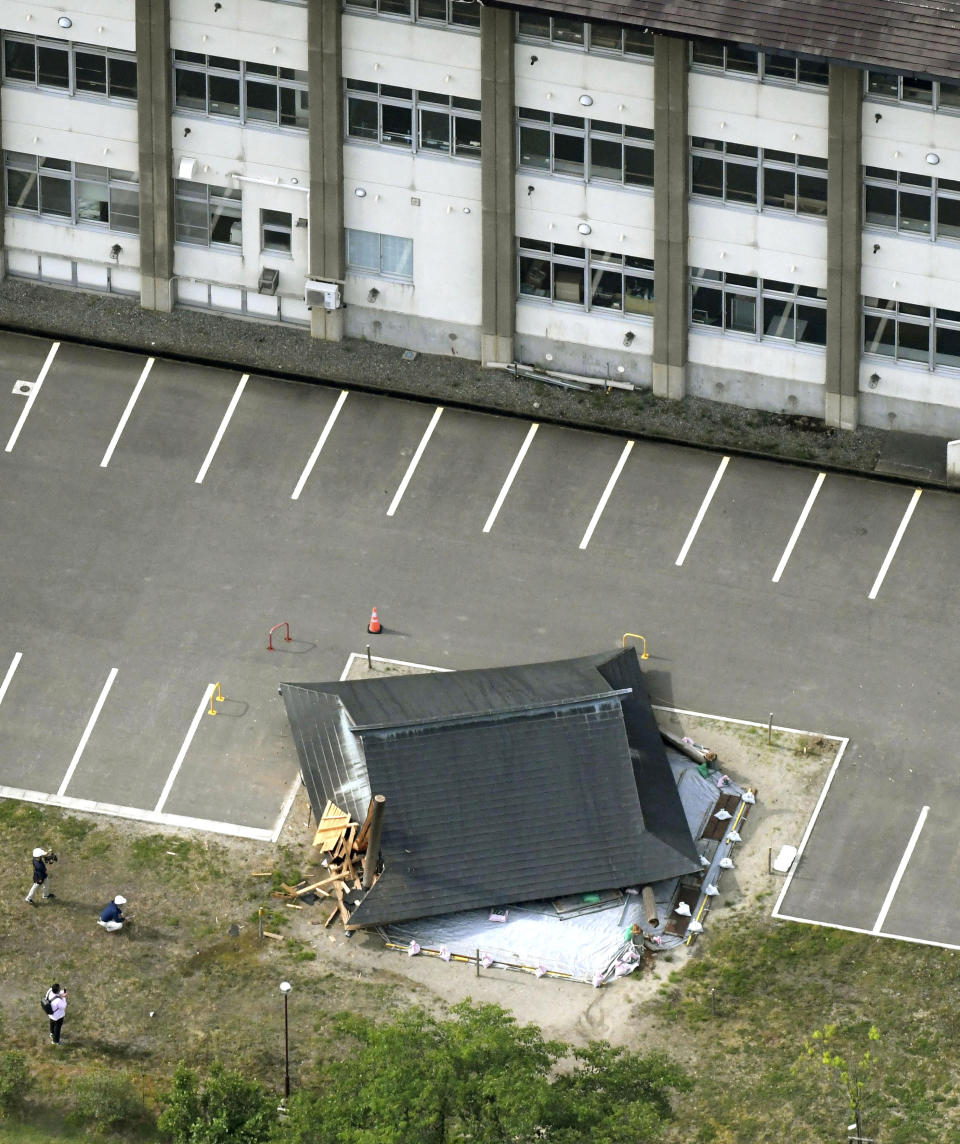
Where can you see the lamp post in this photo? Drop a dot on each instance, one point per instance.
(285, 988)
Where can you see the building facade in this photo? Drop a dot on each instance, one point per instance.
(761, 214)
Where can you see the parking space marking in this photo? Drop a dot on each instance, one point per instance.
(414, 461)
(798, 528)
(88, 730)
(602, 504)
(888, 559)
(511, 476)
(215, 443)
(185, 746)
(901, 869)
(125, 417)
(695, 527)
(138, 814)
(321, 441)
(14, 664)
(32, 397)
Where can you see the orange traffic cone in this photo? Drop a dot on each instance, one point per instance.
(374, 626)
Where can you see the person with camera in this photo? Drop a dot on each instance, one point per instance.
(55, 1006)
(112, 918)
(40, 859)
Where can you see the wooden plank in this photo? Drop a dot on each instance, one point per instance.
(333, 914)
(335, 877)
(275, 936)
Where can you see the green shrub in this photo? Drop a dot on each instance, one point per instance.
(222, 1108)
(14, 1083)
(106, 1101)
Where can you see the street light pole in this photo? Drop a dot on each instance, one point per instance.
(285, 988)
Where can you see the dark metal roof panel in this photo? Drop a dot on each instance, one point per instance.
(921, 36)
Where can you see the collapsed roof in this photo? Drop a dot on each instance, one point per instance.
(503, 785)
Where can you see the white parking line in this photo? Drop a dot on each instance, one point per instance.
(321, 441)
(121, 424)
(798, 528)
(694, 528)
(178, 762)
(514, 469)
(602, 504)
(415, 460)
(215, 443)
(872, 594)
(15, 663)
(32, 397)
(901, 870)
(88, 731)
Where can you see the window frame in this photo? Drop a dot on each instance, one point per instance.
(71, 50)
(368, 271)
(245, 74)
(592, 267)
(760, 73)
(276, 227)
(644, 50)
(792, 297)
(936, 103)
(188, 191)
(419, 103)
(463, 9)
(934, 320)
(934, 189)
(728, 154)
(532, 119)
(72, 175)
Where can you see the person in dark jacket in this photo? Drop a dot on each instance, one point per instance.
(39, 876)
(112, 918)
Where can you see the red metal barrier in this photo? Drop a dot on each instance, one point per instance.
(287, 637)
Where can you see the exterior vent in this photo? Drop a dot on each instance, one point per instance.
(268, 281)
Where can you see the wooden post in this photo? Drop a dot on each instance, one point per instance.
(650, 906)
(478, 963)
(372, 855)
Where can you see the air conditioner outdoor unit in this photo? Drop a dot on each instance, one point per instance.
(325, 294)
(268, 281)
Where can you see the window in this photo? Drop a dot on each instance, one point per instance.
(904, 331)
(416, 120)
(76, 69)
(588, 149)
(74, 192)
(385, 255)
(461, 13)
(589, 279)
(276, 228)
(767, 67)
(207, 216)
(911, 204)
(565, 32)
(767, 179)
(245, 92)
(763, 308)
(936, 95)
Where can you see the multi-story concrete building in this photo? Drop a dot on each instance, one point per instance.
(741, 201)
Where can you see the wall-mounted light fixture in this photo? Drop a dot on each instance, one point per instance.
(877, 117)
(360, 192)
(530, 188)
(932, 158)
(628, 338)
(586, 100)
(115, 251)
(874, 380)
(65, 22)
(876, 247)
(466, 210)
(585, 228)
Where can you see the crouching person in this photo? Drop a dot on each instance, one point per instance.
(112, 918)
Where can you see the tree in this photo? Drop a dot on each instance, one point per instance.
(478, 1076)
(851, 1072)
(225, 1108)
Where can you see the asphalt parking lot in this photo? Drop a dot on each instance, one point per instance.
(158, 519)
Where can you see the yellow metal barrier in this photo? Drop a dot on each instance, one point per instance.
(215, 694)
(633, 635)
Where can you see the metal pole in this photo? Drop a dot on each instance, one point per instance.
(770, 730)
(286, 1051)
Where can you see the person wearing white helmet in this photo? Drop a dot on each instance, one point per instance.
(40, 875)
(112, 918)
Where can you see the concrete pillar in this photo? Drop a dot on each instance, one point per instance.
(155, 154)
(498, 180)
(670, 196)
(3, 199)
(953, 464)
(844, 307)
(326, 257)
